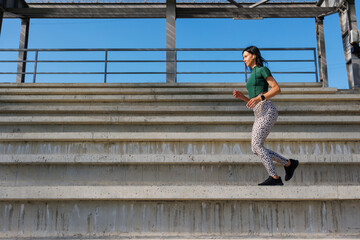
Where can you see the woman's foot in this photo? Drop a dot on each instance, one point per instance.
(271, 182)
(289, 170)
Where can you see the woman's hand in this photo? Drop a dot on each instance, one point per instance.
(253, 102)
(238, 94)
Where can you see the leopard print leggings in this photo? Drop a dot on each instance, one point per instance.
(265, 118)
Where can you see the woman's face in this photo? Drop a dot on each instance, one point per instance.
(249, 59)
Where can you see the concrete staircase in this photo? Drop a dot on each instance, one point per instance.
(173, 161)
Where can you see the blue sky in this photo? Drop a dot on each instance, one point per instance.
(190, 33)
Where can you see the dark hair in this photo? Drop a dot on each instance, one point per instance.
(260, 61)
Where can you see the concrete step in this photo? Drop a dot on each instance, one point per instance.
(95, 177)
(211, 238)
(151, 85)
(197, 219)
(172, 98)
(160, 148)
(174, 193)
(184, 108)
(171, 159)
(178, 128)
(203, 172)
(151, 91)
(176, 136)
(215, 238)
(226, 129)
(179, 120)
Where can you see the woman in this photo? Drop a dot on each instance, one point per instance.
(265, 114)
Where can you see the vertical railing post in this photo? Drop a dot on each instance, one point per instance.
(35, 65)
(106, 61)
(316, 68)
(320, 38)
(24, 39)
(170, 41)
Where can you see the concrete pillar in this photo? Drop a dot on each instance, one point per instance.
(170, 41)
(24, 39)
(320, 38)
(349, 31)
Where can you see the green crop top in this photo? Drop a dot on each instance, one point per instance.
(257, 83)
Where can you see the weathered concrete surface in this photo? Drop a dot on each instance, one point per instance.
(183, 93)
(151, 158)
(174, 161)
(169, 98)
(148, 174)
(214, 108)
(164, 132)
(287, 148)
(181, 219)
(165, 192)
(151, 85)
(175, 136)
(149, 91)
(175, 120)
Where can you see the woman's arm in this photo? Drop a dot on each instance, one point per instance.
(240, 95)
(275, 89)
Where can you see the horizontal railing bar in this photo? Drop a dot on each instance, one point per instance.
(294, 72)
(210, 72)
(86, 61)
(54, 61)
(191, 61)
(138, 61)
(241, 72)
(147, 49)
(148, 73)
(83, 72)
(290, 60)
(93, 50)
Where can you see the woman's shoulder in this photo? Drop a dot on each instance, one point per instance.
(265, 71)
(264, 68)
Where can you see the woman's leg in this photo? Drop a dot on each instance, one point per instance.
(260, 131)
(278, 158)
(265, 118)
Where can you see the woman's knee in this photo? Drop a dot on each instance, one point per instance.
(256, 148)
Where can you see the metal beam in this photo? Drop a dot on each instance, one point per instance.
(320, 37)
(24, 40)
(158, 10)
(171, 41)
(348, 25)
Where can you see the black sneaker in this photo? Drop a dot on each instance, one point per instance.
(271, 182)
(290, 169)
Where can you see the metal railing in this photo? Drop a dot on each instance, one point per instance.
(105, 60)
